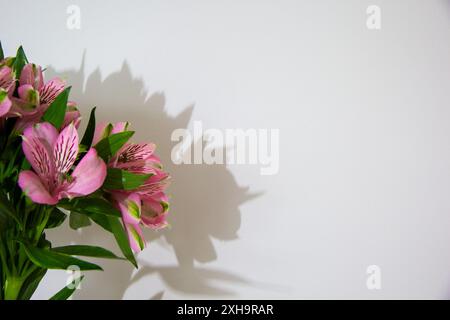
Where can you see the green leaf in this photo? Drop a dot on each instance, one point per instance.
(78, 220)
(57, 109)
(114, 225)
(87, 251)
(57, 217)
(2, 56)
(95, 205)
(3, 226)
(90, 206)
(102, 221)
(107, 147)
(90, 130)
(31, 283)
(117, 179)
(122, 239)
(66, 292)
(43, 243)
(48, 259)
(20, 61)
(7, 210)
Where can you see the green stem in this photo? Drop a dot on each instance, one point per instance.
(12, 287)
(3, 259)
(42, 223)
(16, 265)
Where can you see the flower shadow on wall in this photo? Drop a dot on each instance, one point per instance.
(205, 199)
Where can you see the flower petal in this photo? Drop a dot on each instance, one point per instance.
(89, 175)
(130, 206)
(29, 95)
(119, 127)
(26, 120)
(136, 151)
(72, 115)
(37, 142)
(6, 79)
(51, 90)
(32, 186)
(102, 130)
(135, 237)
(5, 102)
(45, 132)
(133, 156)
(154, 211)
(65, 149)
(156, 183)
(32, 75)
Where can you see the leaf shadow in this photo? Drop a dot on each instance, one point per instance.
(205, 199)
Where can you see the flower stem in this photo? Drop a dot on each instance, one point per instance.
(45, 215)
(12, 288)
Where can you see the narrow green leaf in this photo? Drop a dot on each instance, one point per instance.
(114, 225)
(46, 258)
(57, 109)
(3, 226)
(87, 251)
(107, 147)
(90, 130)
(78, 220)
(95, 205)
(20, 61)
(57, 217)
(31, 283)
(43, 243)
(117, 179)
(66, 292)
(122, 239)
(102, 221)
(6, 210)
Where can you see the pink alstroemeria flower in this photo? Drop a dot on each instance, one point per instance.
(35, 97)
(146, 205)
(142, 209)
(7, 85)
(52, 156)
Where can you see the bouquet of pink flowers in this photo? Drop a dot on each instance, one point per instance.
(47, 173)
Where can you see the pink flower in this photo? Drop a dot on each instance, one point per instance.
(146, 205)
(154, 209)
(35, 96)
(52, 156)
(149, 210)
(104, 130)
(7, 85)
(72, 115)
(137, 158)
(132, 157)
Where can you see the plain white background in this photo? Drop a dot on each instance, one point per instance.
(364, 140)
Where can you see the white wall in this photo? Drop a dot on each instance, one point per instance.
(364, 140)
